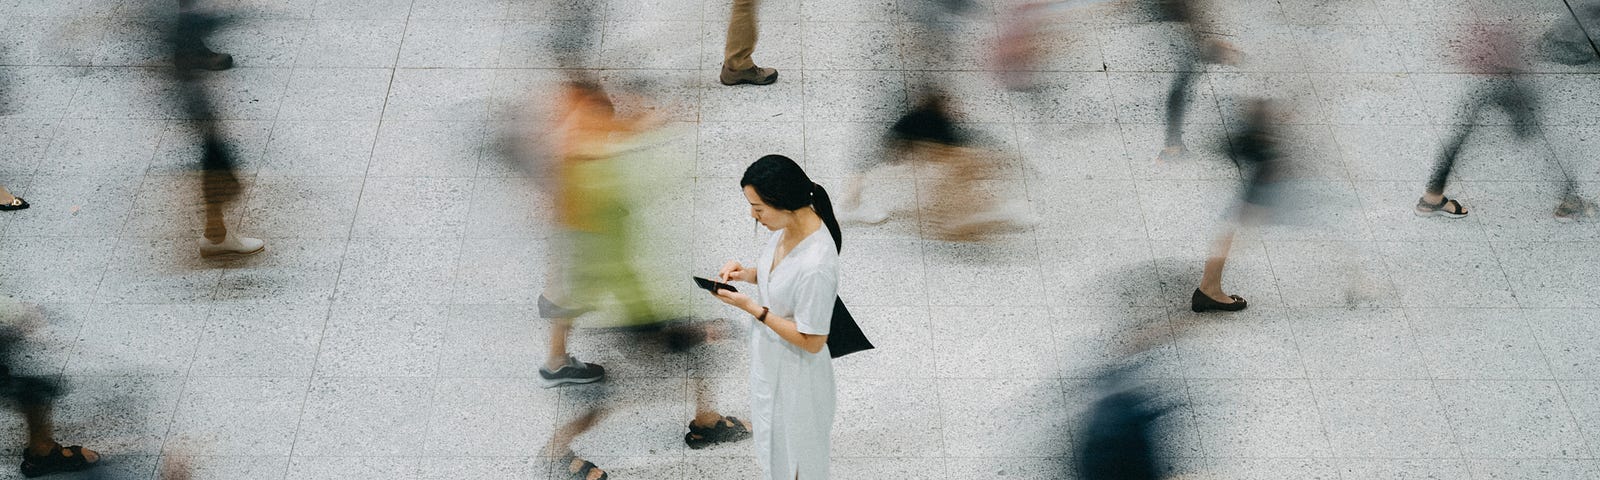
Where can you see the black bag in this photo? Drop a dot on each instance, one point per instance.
(844, 336)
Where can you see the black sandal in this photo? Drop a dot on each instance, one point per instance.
(17, 203)
(727, 429)
(57, 461)
(1425, 209)
(583, 470)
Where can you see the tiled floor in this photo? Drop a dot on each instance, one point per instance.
(389, 330)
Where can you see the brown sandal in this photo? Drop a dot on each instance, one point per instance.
(60, 459)
(727, 429)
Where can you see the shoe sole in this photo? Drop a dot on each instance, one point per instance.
(232, 254)
(1440, 213)
(549, 383)
(769, 81)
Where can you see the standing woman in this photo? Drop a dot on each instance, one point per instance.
(791, 369)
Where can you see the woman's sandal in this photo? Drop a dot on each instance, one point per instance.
(17, 203)
(60, 459)
(1447, 208)
(727, 429)
(580, 468)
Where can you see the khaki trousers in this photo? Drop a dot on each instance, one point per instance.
(741, 36)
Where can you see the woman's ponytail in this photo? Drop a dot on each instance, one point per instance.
(824, 208)
(780, 182)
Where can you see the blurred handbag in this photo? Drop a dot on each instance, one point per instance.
(844, 336)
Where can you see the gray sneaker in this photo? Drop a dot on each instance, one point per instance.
(574, 372)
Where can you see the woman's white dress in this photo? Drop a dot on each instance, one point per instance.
(791, 390)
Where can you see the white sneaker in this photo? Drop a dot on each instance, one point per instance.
(864, 215)
(232, 246)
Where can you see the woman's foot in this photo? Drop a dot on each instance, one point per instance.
(703, 434)
(1205, 302)
(1442, 207)
(57, 459)
(16, 203)
(581, 469)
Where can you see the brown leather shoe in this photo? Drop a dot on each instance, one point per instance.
(752, 75)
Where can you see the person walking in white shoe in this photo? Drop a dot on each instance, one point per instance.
(218, 185)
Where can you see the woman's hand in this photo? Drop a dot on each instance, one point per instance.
(740, 300)
(734, 271)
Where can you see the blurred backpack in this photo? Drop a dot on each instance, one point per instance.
(1567, 44)
(1119, 441)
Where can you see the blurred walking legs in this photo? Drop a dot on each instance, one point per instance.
(1256, 150)
(1521, 105)
(191, 52)
(33, 398)
(737, 66)
(219, 186)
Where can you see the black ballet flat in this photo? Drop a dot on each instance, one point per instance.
(16, 204)
(1200, 302)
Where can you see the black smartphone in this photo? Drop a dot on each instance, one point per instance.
(713, 285)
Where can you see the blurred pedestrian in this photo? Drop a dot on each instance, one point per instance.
(1118, 441)
(219, 185)
(1493, 51)
(1257, 150)
(587, 217)
(1192, 51)
(34, 398)
(954, 206)
(737, 67)
(596, 153)
(797, 278)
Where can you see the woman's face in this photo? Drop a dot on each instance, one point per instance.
(768, 216)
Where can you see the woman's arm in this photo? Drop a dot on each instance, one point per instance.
(788, 330)
(816, 293)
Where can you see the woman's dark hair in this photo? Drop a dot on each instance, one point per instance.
(782, 184)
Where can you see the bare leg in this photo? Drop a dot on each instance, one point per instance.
(704, 414)
(41, 438)
(1211, 276)
(560, 329)
(5, 197)
(561, 442)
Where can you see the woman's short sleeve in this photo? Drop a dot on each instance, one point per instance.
(813, 306)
